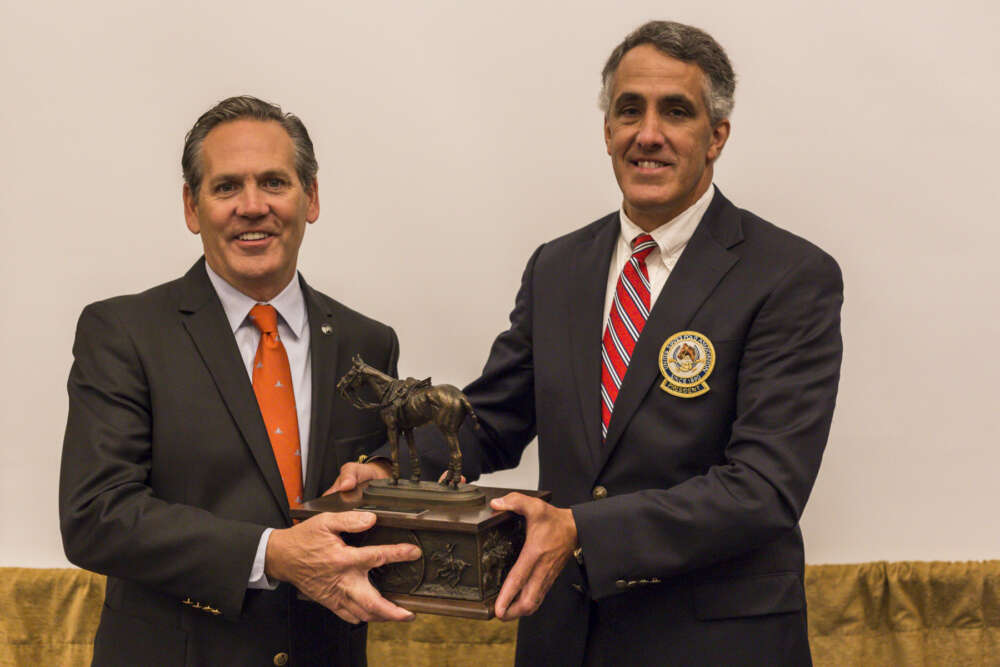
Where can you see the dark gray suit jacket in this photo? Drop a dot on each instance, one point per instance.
(168, 478)
(694, 556)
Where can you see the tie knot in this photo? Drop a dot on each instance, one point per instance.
(265, 317)
(642, 245)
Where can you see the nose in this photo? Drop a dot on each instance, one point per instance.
(650, 136)
(251, 203)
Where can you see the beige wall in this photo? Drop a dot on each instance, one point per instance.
(454, 137)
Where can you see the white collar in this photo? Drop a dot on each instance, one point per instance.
(674, 235)
(290, 302)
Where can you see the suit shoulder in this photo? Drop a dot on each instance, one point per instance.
(583, 234)
(349, 317)
(158, 299)
(778, 246)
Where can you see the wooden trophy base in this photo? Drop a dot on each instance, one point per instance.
(467, 547)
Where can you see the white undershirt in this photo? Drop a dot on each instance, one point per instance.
(671, 238)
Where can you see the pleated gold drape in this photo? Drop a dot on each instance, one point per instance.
(872, 614)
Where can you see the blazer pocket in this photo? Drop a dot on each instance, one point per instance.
(749, 596)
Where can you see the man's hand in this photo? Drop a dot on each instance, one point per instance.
(551, 538)
(312, 557)
(353, 475)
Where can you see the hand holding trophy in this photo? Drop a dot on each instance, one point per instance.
(468, 547)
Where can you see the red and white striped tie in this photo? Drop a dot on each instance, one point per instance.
(628, 315)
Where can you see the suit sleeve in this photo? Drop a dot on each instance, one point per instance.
(111, 520)
(787, 386)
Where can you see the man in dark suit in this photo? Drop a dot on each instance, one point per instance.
(201, 410)
(678, 361)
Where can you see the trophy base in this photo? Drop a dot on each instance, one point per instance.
(424, 493)
(467, 548)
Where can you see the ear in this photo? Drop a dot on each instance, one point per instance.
(607, 134)
(312, 210)
(720, 134)
(190, 210)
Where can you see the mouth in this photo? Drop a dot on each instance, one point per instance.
(253, 236)
(649, 164)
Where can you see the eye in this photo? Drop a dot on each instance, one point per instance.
(225, 188)
(274, 183)
(678, 112)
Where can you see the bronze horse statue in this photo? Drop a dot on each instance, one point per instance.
(407, 404)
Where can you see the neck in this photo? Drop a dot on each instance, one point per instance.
(652, 217)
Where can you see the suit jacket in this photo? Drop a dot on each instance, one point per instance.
(688, 513)
(168, 478)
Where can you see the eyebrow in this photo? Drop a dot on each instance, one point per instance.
(677, 98)
(269, 173)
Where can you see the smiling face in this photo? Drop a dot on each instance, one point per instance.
(658, 134)
(251, 209)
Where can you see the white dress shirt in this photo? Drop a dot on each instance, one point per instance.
(671, 238)
(293, 331)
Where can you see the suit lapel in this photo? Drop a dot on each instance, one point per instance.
(588, 282)
(323, 340)
(700, 268)
(206, 323)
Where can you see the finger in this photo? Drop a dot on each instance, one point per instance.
(531, 595)
(514, 502)
(354, 609)
(514, 582)
(377, 608)
(346, 615)
(347, 522)
(378, 555)
(346, 480)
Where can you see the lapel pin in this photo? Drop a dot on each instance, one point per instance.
(686, 360)
(326, 329)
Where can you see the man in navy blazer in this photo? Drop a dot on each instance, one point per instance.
(683, 518)
(169, 483)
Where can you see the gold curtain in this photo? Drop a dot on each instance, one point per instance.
(872, 614)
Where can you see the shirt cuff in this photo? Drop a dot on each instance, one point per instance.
(257, 577)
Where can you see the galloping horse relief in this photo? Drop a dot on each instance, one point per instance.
(407, 404)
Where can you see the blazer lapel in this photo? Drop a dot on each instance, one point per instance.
(588, 280)
(206, 323)
(700, 268)
(323, 340)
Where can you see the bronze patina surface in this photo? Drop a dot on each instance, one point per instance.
(467, 548)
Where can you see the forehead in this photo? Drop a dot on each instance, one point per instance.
(247, 146)
(648, 72)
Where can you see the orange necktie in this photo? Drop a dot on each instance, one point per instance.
(272, 383)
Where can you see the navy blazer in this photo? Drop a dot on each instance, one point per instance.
(688, 513)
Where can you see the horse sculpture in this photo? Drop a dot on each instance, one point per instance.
(407, 404)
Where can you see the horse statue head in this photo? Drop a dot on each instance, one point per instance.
(352, 380)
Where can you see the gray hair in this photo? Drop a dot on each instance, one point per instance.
(685, 43)
(247, 107)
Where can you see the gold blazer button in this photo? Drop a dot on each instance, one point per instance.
(281, 659)
(599, 492)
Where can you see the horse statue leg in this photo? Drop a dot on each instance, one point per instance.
(454, 475)
(414, 457)
(393, 432)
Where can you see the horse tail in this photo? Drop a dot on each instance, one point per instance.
(469, 410)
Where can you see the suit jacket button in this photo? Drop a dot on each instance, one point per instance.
(599, 492)
(281, 659)
(621, 584)
(577, 587)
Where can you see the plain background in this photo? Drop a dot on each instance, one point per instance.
(455, 137)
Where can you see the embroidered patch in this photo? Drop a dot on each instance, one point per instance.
(686, 360)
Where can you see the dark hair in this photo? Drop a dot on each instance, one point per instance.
(236, 108)
(685, 43)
